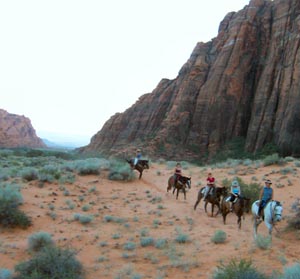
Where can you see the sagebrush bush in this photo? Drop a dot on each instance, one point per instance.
(146, 241)
(29, 174)
(294, 221)
(39, 240)
(291, 272)
(219, 237)
(238, 270)
(263, 242)
(51, 263)
(121, 172)
(10, 214)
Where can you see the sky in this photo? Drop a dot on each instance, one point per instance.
(69, 65)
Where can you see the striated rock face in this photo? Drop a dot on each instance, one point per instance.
(243, 83)
(17, 131)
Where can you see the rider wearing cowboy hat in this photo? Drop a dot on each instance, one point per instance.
(266, 195)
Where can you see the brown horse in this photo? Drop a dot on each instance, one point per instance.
(239, 206)
(140, 166)
(213, 197)
(183, 182)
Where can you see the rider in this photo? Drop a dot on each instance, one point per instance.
(266, 195)
(209, 185)
(235, 193)
(138, 157)
(177, 173)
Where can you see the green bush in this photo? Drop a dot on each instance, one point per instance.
(39, 240)
(121, 172)
(146, 241)
(10, 214)
(294, 221)
(51, 263)
(29, 174)
(292, 272)
(263, 242)
(271, 159)
(219, 237)
(238, 270)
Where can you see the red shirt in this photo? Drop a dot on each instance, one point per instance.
(210, 180)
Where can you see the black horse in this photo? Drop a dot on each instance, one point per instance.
(182, 183)
(140, 166)
(214, 197)
(239, 207)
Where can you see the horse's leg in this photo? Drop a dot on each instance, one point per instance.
(177, 194)
(174, 189)
(205, 206)
(184, 192)
(199, 197)
(255, 225)
(141, 173)
(239, 221)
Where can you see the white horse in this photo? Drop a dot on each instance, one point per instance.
(272, 214)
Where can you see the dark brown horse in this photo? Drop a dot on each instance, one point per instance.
(140, 166)
(214, 197)
(182, 183)
(239, 207)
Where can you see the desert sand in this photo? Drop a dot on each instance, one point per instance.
(143, 208)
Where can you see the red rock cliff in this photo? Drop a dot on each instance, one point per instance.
(243, 83)
(17, 131)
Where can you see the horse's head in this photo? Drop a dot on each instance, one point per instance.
(189, 182)
(145, 164)
(186, 180)
(277, 211)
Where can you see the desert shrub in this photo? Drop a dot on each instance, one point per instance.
(263, 242)
(29, 174)
(294, 222)
(50, 170)
(121, 172)
(146, 241)
(238, 270)
(160, 243)
(129, 246)
(291, 272)
(5, 273)
(39, 240)
(219, 237)
(273, 159)
(83, 219)
(10, 214)
(51, 263)
(88, 167)
(181, 237)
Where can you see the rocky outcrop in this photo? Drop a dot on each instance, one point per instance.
(243, 83)
(17, 131)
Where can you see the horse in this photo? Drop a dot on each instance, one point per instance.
(213, 197)
(140, 166)
(183, 182)
(271, 214)
(238, 207)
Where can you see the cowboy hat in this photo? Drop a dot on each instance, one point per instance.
(235, 183)
(268, 181)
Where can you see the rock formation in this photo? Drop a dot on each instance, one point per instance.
(243, 83)
(17, 131)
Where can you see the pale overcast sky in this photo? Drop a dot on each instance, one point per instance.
(69, 65)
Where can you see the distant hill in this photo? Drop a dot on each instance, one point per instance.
(17, 131)
(61, 145)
